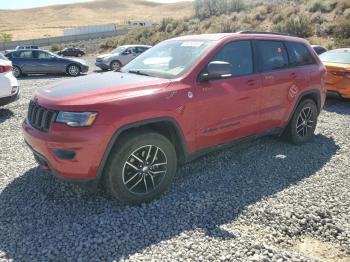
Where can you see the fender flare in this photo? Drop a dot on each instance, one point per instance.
(136, 124)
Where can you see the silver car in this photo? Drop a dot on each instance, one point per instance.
(120, 56)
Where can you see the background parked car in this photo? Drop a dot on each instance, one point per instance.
(337, 63)
(44, 62)
(71, 51)
(9, 90)
(120, 56)
(319, 49)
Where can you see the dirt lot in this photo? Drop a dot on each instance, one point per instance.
(264, 201)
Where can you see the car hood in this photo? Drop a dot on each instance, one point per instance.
(98, 88)
(104, 56)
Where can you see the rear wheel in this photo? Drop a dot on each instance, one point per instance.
(73, 70)
(115, 65)
(16, 71)
(302, 126)
(140, 168)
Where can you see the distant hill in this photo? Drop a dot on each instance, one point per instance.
(50, 21)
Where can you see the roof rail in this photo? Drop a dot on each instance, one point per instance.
(264, 33)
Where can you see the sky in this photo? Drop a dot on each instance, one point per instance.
(21, 4)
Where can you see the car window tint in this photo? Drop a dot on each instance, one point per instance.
(299, 55)
(140, 49)
(26, 54)
(239, 55)
(41, 55)
(271, 56)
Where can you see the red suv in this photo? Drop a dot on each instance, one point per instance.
(184, 97)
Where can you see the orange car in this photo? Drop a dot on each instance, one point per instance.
(337, 63)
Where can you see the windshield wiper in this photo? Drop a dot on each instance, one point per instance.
(138, 72)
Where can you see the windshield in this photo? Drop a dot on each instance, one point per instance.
(169, 59)
(336, 57)
(118, 50)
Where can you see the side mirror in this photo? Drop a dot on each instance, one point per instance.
(216, 70)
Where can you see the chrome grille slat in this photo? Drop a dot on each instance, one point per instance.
(40, 117)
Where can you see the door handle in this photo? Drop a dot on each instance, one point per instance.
(269, 77)
(251, 82)
(293, 75)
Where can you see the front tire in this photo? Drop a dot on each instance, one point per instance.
(140, 168)
(73, 70)
(302, 126)
(115, 65)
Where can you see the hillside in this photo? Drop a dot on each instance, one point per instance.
(50, 21)
(324, 22)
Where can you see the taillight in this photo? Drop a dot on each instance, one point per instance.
(4, 69)
(341, 73)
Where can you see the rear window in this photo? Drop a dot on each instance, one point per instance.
(336, 57)
(272, 55)
(299, 55)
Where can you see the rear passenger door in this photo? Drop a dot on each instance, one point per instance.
(25, 60)
(276, 79)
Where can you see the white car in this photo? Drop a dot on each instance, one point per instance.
(9, 90)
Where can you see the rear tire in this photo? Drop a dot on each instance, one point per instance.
(302, 126)
(73, 70)
(140, 168)
(16, 72)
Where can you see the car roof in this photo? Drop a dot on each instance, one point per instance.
(238, 35)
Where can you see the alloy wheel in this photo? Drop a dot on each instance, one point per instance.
(73, 70)
(305, 122)
(144, 170)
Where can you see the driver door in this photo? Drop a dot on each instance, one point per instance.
(128, 55)
(228, 108)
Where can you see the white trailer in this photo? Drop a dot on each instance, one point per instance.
(90, 29)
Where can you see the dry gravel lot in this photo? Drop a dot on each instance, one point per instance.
(263, 201)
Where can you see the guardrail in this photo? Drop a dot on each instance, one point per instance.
(61, 39)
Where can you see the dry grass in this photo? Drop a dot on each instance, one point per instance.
(50, 21)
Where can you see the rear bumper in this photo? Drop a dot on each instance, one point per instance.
(9, 99)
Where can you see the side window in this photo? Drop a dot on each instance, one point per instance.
(25, 54)
(140, 50)
(299, 55)
(41, 55)
(272, 55)
(239, 55)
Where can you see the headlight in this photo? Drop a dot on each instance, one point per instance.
(76, 119)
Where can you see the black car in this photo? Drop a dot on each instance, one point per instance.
(44, 62)
(319, 49)
(71, 51)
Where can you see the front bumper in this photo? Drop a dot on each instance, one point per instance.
(103, 65)
(85, 144)
(84, 68)
(9, 99)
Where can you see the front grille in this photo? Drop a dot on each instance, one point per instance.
(40, 117)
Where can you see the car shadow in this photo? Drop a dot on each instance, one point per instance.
(337, 105)
(5, 114)
(65, 220)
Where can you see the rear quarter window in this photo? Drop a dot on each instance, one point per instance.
(272, 55)
(299, 54)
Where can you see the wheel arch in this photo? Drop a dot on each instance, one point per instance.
(313, 94)
(166, 126)
(72, 63)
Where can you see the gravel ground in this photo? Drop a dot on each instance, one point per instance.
(262, 201)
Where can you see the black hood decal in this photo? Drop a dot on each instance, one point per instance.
(93, 82)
